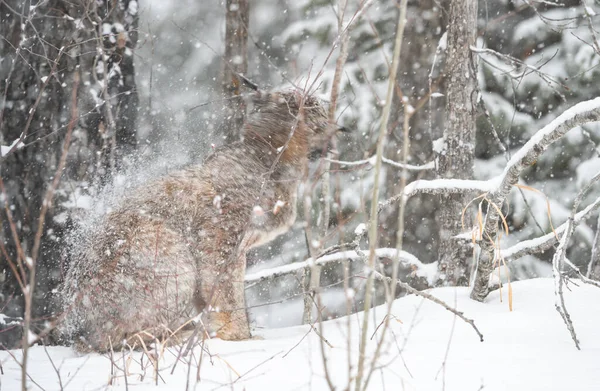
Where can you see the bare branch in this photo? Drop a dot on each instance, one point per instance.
(425, 295)
(589, 13)
(581, 113)
(46, 204)
(559, 282)
(442, 186)
(371, 161)
(375, 197)
(595, 257)
(526, 68)
(545, 242)
(404, 257)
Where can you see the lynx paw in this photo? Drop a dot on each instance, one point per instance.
(229, 327)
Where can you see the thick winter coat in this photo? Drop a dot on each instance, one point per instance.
(176, 246)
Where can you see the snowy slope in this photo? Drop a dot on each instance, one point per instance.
(527, 349)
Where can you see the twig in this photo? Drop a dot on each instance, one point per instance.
(298, 343)
(559, 259)
(33, 109)
(545, 242)
(588, 16)
(55, 369)
(343, 37)
(125, 371)
(21, 365)
(371, 161)
(581, 113)
(595, 257)
(375, 197)
(414, 291)
(47, 202)
(262, 275)
(434, 299)
(255, 367)
(391, 291)
(581, 276)
(559, 282)
(443, 367)
(550, 80)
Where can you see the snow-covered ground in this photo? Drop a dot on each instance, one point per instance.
(526, 349)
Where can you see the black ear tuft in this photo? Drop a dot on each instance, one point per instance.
(246, 82)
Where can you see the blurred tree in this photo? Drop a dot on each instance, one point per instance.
(43, 46)
(235, 61)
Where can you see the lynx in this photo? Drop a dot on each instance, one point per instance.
(176, 247)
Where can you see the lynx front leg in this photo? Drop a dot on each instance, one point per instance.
(221, 296)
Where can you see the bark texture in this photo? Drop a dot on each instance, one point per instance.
(47, 43)
(235, 62)
(456, 159)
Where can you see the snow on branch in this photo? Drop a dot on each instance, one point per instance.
(405, 257)
(438, 186)
(581, 113)
(6, 150)
(442, 186)
(545, 242)
(371, 161)
(428, 271)
(8, 321)
(499, 186)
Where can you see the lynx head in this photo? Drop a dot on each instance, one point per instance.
(290, 121)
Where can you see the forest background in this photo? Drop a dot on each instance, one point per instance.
(152, 101)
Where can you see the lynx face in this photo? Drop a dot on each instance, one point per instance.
(283, 110)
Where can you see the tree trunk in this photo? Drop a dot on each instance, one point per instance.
(47, 44)
(456, 158)
(235, 62)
